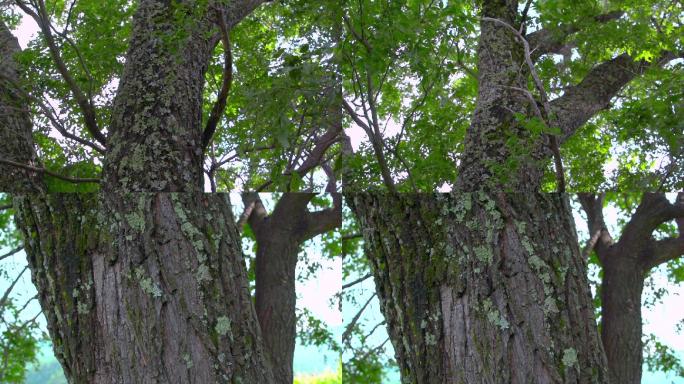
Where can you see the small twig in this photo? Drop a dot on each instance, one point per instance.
(220, 104)
(350, 327)
(360, 279)
(12, 252)
(47, 172)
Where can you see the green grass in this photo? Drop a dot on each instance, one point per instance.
(321, 378)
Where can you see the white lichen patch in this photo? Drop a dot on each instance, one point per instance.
(430, 339)
(188, 361)
(550, 305)
(494, 316)
(82, 308)
(202, 273)
(569, 357)
(222, 325)
(483, 254)
(146, 283)
(136, 221)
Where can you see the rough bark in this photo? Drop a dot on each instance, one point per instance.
(155, 137)
(279, 237)
(482, 287)
(147, 289)
(495, 137)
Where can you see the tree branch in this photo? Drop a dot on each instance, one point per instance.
(87, 109)
(254, 212)
(654, 209)
(10, 253)
(47, 172)
(355, 319)
(553, 40)
(357, 281)
(581, 102)
(547, 116)
(220, 104)
(593, 207)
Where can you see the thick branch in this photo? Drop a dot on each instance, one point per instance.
(545, 41)
(581, 102)
(653, 210)
(255, 213)
(665, 250)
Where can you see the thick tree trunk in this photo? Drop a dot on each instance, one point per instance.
(149, 288)
(621, 325)
(482, 287)
(625, 264)
(156, 130)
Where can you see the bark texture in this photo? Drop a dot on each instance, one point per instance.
(621, 324)
(482, 287)
(147, 288)
(155, 138)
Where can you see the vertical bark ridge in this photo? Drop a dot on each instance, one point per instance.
(276, 262)
(482, 287)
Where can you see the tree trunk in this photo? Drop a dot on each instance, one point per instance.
(279, 237)
(482, 287)
(145, 288)
(621, 325)
(276, 300)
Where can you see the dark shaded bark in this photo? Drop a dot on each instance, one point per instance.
(16, 143)
(482, 287)
(279, 238)
(621, 325)
(625, 265)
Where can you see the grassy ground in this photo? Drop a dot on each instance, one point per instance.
(323, 378)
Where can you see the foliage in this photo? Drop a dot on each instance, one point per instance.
(18, 344)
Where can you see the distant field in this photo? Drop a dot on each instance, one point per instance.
(307, 359)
